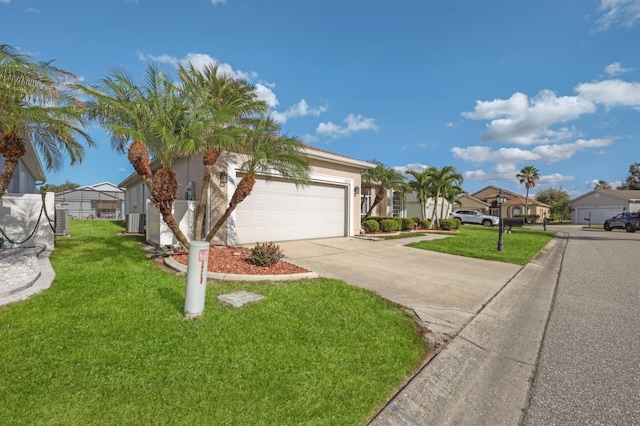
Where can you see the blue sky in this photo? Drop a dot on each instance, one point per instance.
(486, 86)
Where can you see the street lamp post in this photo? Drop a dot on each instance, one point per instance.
(500, 201)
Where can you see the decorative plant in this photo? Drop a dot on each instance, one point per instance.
(371, 225)
(266, 254)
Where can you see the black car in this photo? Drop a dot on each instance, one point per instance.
(630, 222)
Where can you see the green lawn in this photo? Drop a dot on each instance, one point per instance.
(106, 344)
(519, 247)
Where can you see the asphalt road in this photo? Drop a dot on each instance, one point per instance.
(588, 371)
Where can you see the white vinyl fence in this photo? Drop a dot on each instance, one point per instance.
(159, 233)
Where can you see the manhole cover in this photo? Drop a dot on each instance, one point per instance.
(239, 298)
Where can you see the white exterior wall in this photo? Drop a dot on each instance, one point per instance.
(21, 214)
(157, 231)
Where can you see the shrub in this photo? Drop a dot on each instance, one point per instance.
(457, 223)
(407, 224)
(267, 254)
(389, 225)
(424, 223)
(371, 225)
(448, 224)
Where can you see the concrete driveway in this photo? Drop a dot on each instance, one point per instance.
(444, 291)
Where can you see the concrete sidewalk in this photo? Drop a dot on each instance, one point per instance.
(494, 313)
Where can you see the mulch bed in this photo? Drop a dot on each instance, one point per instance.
(235, 260)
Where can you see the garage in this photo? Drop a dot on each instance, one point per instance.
(278, 211)
(597, 215)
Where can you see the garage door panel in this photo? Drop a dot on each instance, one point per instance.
(598, 215)
(278, 211)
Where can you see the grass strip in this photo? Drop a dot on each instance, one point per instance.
(519, 247)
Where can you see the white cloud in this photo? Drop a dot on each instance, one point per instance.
(5, 1)
(625, 13)
(412, 166)
(217, 2)
(353, 123)
(611, 93)
(549, 153)
(301, 109)
(527, 121)
(509, 174)
(33, 10)
(615, 69)
(264, 90)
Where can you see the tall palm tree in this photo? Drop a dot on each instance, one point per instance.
(442, 179)
(387, 178)
(35, 104)
(421, 185)
(154, 120)
(528, 175)
(224, 103)
(267, 153)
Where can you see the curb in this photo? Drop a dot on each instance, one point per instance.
(241, 277)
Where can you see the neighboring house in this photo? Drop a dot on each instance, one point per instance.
(99, 201)
(600, 204)
(276, 210)
(514, 205)
(23, 222)
(410, 207)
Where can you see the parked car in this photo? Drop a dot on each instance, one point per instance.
(473, 216)
(630, 222)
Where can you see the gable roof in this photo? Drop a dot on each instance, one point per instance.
(623, 194)
(309, 151)
(497, 190)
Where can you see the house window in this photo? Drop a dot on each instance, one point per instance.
(517, 211)
(365, 200)
(365, 203)
(398, 205)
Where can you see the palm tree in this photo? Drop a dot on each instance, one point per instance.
(528, 175)
(158, 121)
(224, 103)
(442, 179)
(387, 178)
(450, 195)
(267, 153)
(421, 184)
(35, 104)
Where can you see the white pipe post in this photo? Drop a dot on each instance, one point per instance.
(197, 267)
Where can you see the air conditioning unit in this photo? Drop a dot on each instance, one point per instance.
(62, 222)
(135, 223)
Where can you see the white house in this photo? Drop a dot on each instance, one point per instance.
(276, 210)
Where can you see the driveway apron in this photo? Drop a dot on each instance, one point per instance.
(443, 290)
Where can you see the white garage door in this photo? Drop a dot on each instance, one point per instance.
(278, 211)
(598, 215)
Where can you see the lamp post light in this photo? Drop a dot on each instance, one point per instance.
(500, 202)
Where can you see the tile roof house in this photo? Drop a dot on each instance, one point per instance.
(484, 200)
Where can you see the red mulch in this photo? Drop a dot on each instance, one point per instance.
(235, 260)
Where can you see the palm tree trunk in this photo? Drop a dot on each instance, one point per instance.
(164, 193)
(12, 147)
(376, 201)
(434, 215)
(526, 205)
(209, 158)
(242, 191)
(9, 168)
